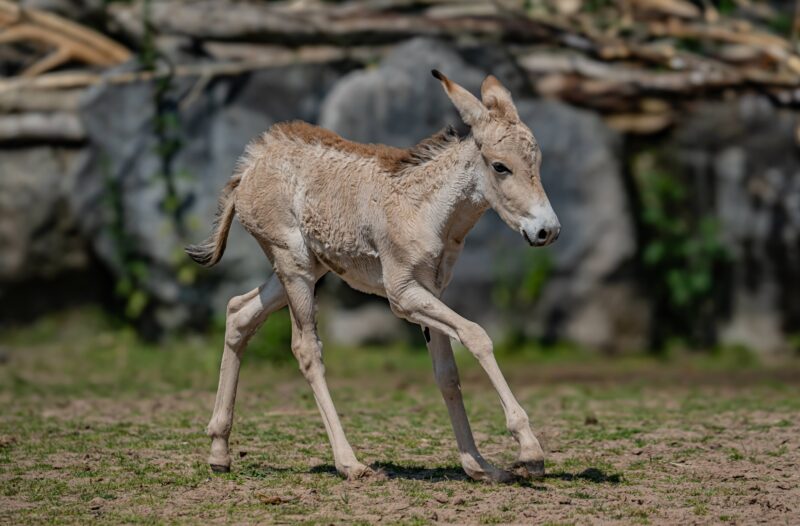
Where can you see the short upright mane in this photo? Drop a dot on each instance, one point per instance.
(393, 160)
(429, 148)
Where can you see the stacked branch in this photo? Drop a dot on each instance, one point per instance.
(614, 56)
(49, 115)
(633, 60)
(62, 40)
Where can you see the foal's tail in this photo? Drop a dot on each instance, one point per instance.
(210, 251)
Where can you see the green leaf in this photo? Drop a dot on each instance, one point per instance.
(136, 304)
(654, 253)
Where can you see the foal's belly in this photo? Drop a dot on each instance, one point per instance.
(366, 277)
(363, 272)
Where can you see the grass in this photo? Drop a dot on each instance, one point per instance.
(98, 426)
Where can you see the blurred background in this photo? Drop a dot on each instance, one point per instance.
(671, 154)
(668, 129)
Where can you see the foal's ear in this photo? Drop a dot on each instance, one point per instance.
(471, 110)
(498, 99)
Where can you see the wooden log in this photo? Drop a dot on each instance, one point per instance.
(635, 79)
(717, 33)
(339, 24)
(45, 127)
(82, 79)
(60, 100)
(679, 8)
(69, 41)
(639, 123)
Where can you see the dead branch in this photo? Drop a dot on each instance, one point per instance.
(609, 57)
(82, 79)
(68, 40)
(58, 100)
(58, 126)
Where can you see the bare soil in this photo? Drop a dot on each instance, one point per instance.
(627, 443)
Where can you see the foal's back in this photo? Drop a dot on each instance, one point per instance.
(299, 177)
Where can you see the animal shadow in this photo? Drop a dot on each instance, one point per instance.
(597, 476)
(390, 470)
(443, 474)
(397, 471)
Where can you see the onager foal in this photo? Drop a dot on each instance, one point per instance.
(390, 222)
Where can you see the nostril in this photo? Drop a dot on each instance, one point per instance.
(542, 234)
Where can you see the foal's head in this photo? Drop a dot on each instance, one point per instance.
(510, 160)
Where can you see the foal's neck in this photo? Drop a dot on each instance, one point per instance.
(456, 189)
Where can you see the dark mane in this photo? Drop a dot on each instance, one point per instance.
(429, 148)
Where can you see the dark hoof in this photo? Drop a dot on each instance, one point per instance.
(533, 469)
(219, 468)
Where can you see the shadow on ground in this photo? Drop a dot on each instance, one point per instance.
(398, 471)
(443, 474)
(598, 476)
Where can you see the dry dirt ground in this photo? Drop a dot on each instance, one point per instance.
(96, 427)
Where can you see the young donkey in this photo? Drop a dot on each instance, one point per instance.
(390, 222)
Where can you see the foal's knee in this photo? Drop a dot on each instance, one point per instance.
(517, 421)
(219, 427)
(239, 323)
(308, 351)
(476, 340)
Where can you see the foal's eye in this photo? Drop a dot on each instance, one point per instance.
(500, 168)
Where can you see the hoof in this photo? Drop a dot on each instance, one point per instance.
(490, 474)
(497, 476)
(532, 469)
(220, 468)
(477, 468)
(357, 472)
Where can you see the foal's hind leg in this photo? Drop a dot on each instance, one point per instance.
(295, 267)
(446, 373)
(245, 315)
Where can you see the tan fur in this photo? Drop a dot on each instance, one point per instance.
(389, 221)
(391, 159)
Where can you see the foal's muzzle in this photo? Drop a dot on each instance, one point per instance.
(543, 236)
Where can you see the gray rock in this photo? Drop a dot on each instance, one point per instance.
(38, 232)
(582, 176)
(747, 148)
(399, 102)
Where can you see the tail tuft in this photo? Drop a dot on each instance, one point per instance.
(209, 252)
(202, 253)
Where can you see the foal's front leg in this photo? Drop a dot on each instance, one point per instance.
(416, 304)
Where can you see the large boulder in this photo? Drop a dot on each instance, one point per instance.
(38, 232)
(590, 297)
(136, 225)
(45, 263)
(743, 155)
(399, 102)
(582, 298)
